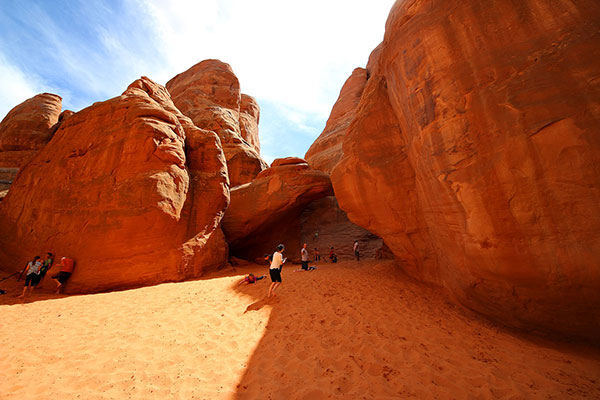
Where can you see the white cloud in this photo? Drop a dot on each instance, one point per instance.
(16, 86)
(297, 54)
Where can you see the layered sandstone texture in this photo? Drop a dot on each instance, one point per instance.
(324, 225)
(474, 154)
(326, 151)
(209, 93)
(268, 210)
(24, 131)
(129, 188)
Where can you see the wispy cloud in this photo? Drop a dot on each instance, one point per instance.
(292, 56)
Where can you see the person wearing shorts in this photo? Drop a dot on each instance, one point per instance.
(304, 257)
(33, 275)
(275, 269)
(66, 269)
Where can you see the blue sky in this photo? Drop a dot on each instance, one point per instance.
(293, 57)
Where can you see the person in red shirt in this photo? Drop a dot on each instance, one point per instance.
(66, 269)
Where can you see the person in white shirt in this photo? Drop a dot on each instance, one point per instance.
(275, 269)
(356, 253)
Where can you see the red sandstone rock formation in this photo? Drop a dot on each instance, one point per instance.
(249, 117)
(209, 93)
(117, 190)
(267, 211)
(24, 130)
(326, 151)
(474, 154)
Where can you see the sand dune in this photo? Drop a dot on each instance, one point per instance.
(344, 331)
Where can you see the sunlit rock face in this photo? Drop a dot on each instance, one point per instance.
(24, 131)
(129, 188)
(474, 154)
(266, 211)
(326, 151)
(209, 93)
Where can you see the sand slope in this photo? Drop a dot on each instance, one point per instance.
(346, 331)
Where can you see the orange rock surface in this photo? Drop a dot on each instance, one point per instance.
(474, 154)
(117, 190)
(209, 93)
(267, 211)
(326, 151)
(24, 130)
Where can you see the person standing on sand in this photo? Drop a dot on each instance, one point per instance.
(66, 269)
(32, 277)
(304, 257)
(356, 253)
(317, 255)
(275, 269)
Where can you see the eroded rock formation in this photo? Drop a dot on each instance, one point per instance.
(326, 151)
(474, 154)
(267, 211)
(25, 130)
(118, 190)
(209, 93)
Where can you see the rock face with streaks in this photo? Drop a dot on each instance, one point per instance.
(129, 188)
(268, 210)
(209, 93)
(24, 131)
(474, 154)
(326, 151)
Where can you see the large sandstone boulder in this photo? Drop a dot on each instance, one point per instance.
(129, 188)
(24, 131)
(326, 151)
(267, 211)
(209, 93)
(474, 154)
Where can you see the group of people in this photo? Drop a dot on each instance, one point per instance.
(277, 260)
(35, 272)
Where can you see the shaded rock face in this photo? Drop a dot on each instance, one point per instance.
(474, 155)
(326, 151)
(129, 188)
(267, 211)
(324, 225)
(209, 93)
(24, 130)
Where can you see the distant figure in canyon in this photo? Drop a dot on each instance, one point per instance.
(32, 275)
(317, 255)
(304, 257)
(275, 269)
(356, 253)
(332, 255)
(66, 269)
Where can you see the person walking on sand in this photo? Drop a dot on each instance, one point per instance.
(66, 269)
(46, 265)
(275, 269)
(356, 253)
(32, 277)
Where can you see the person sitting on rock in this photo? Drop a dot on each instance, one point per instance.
(32, 278)
(332, 255)
(250, 279)
(66, 269)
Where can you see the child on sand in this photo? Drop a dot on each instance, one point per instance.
(332, 255)
(32, 277)
(251, 279)
(275, 269)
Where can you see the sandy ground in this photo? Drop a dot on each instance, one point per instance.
(344, 331)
